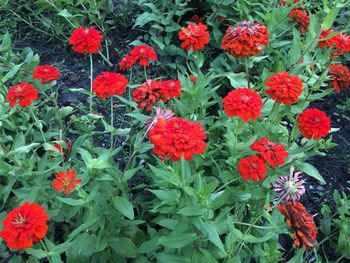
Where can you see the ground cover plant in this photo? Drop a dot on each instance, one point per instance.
(174, 131)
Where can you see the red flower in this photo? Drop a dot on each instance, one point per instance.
(46, 73)
(244, 103)
(85, 40)
(60, 149)
(284, 88)
(24, 92)
(171, 89)
(109, 83)
(127, 62)
(341, 77)
(66, 181)
(193, 78)
(341, 42)
(197, 19)
(284, 2)
(142, 53)
(328, 42)
(301, 17)
(273, 153)
(245, 39)
(24, 226)
(194, 36)
(314, 124)
(301, 222)
(252, 167)
(176, 138)
(148, 94)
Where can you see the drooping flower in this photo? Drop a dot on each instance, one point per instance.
(244, 103)
(46, 73)
(65, 181)
(314, 124)
(290, 187)
(245, 39)
(341, 77)
(109, 83)
(24, 226)
(24, 93)
(165, 114)
(148, 94)
(176, 138)
(301, 222)
(171, 89)
(85, 40)
(273, 153)
(301, 17)
(284, 88)
(253, 167)
(62, 150)
(194, 36)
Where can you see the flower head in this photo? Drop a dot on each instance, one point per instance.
(273, 153)
(62, 150)
(244, 103)
(194, 36)
(148, 94)
(127, 62)
(301, 222)
(290, 187)
(46, 73)
(245, 39)
(85, 40)
(144, 54)
(176, 138)
(327, 43)
(284, 88)
(24, 93)
(252, 167)
(109, 83)
(340, 42)
(289, 2)
(314, 124)
(66, 181)
(171, 89)
(165, 114)
(301, 17)
(341, 77)
(24, 226)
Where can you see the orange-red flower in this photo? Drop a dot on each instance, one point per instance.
(171, 89)
(301, 17)
(24, 93)
(65, 181)
(85, 40)
(244, 103)
(46, 73)
(341, 77)
(273, 153)
(245, 39)
(62, 150)
(301, 222)
(252, 167)
(340, 42)
(148, 94)
(109, 83)
(194, 36)
(176, 138)
(142, 53)
(314, 124)
(127, 62)
(24, 226)
(284, 88)
(327, 43)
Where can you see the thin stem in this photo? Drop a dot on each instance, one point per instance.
(228, 183)
(145, 71)
(104, 58)
(45, 249)
(112, 122)
(40, 126)
(247, 72)
(91, 79)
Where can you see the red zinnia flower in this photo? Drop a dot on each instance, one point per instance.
(273, 153)
(24, 226)
(66, 181)
(142, 53)
(194, 36)
(148, 94)
(176, 138)
(60, 149)
(109, 83)
(252, 167)
(314, 123)
(301, 17)
(245, 39)
(24, 92)
(341, 42)
(244, 103)
(341, 77)
(301, 222)
(171, 89)
(328, 42)
(46, 73)
(85, 40)
(284, 88)
(127, 62)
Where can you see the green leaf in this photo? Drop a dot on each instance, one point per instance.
(9, 75)
(167, 258)
(70, 201)
(38, 253)
(298, 257)
(123, 246)
(23, 149)
(178, 240)
(123, 206)
(64, 13)
(331, 16)
(145, 18)
(191, 211)
(310, 170)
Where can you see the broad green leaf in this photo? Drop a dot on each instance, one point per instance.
(177, 240)
(123, 206)
(124, 247)
(310, 170)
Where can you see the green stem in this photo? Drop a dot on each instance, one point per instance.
(40, 126)
(112, 122)
(228, 183)
(145, 71)
(91, 79)
(45, 249)
(247, 72)
(104, 58)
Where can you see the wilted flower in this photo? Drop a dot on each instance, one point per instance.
(340, 77)
(290, 187)
(165, 114)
